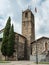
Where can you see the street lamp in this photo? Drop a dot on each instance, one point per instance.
(36, 53)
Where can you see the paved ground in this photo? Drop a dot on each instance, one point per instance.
(21, 63)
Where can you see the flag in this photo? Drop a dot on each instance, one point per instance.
(35, 9)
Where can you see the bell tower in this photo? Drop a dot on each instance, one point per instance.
(28, 27)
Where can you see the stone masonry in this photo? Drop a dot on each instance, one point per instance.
(28, 29)
(42, 48)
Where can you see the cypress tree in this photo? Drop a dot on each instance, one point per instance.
(11, 42)
(5, 38)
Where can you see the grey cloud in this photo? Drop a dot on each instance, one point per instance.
(14, 9)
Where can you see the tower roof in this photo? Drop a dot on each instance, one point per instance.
(28, 10)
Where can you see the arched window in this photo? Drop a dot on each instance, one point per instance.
(26, 14)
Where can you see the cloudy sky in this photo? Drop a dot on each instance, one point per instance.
(14, 9)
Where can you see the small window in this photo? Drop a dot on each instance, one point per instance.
(26, 14)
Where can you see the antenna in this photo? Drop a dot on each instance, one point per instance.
(29, 7)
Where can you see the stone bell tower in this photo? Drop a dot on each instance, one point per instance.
(28, 26)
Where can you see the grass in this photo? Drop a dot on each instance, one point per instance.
(38, 62)
(43, 62)
(4, 61)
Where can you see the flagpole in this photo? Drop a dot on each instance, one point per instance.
(36, 41)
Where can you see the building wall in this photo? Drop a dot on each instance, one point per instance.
(19, 48)
(42, 51)
(1, 56)
(40, 46)
(20, 42)
(0, 50)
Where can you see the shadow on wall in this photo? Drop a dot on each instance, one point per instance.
(41, 58)
(46, 58)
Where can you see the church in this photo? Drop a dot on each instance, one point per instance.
(26, 47)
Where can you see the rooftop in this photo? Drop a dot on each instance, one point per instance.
(40, 39)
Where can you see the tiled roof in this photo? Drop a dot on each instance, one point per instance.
(20, 35)
(28, 10)
(40, 39)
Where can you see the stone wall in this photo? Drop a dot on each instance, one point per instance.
(1, 56)
(0, 51)
(41, 58)
(41, 49)
(40, 45)
(19, 46)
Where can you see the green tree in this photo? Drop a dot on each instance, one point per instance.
(11, 42)
(5, 37)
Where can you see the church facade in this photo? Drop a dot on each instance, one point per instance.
(25, 44)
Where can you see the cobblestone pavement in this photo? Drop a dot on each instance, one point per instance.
(21, 63)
